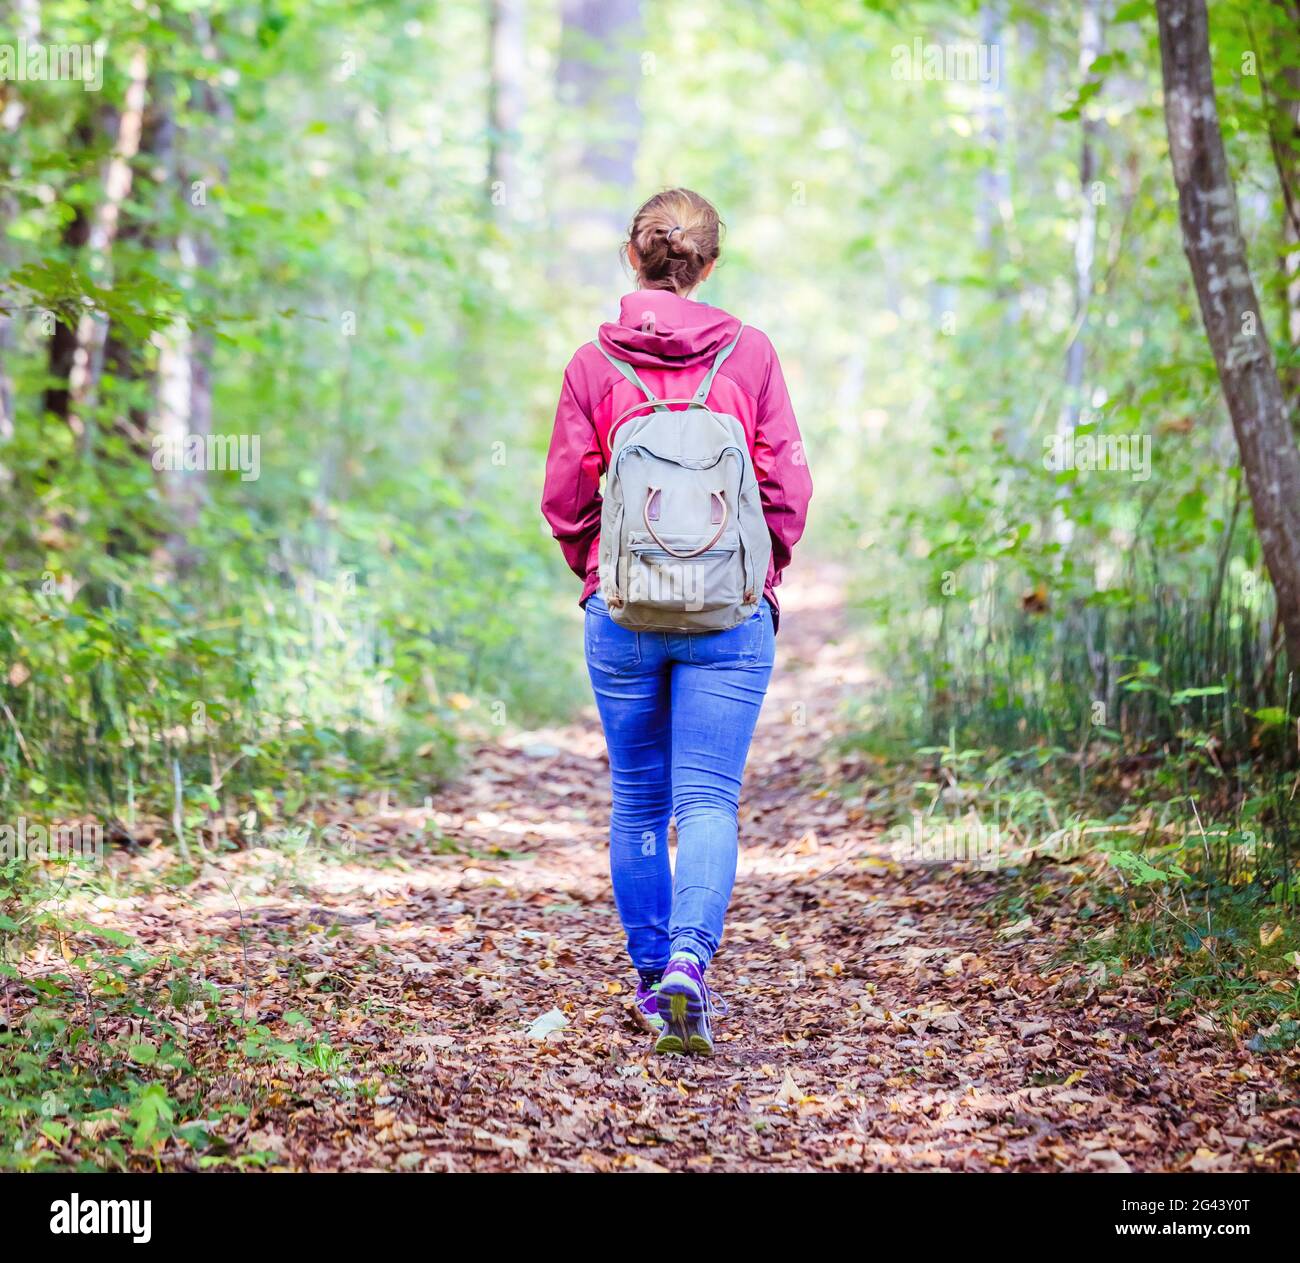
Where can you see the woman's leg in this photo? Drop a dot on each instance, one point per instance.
(718, 685)
(630, 678)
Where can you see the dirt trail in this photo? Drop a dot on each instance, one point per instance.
(879, 1016)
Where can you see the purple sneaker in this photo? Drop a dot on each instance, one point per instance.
(646, 1007)
(685, 1006)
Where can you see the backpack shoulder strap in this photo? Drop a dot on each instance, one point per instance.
(707, 384)
(630, 373)
(700, 396)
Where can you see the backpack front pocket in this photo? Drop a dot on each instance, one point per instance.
(684, 572)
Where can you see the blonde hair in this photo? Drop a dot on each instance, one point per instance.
(676, 235)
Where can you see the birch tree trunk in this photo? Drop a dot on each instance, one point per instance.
(88, 355)
(506, 103)
(125, 358)
(150, 202)
(1207, 205)
(994, 179)
(185, 351)
(1085, 253)
(25, 16)
(1085, 241)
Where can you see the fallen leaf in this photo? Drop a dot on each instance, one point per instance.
(790, 1093)
(547, 1025)
(518, 1147)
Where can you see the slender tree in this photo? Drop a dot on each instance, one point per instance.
(1085, 250)
(1207, 204)
(92, 331)
(507, 52)
(598, 77)
(1085, 240)
(25, 17)
(73, 240)
(124, 356)
(186, 351)
(1280, 82)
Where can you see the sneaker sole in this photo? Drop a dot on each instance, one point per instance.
(682, 1034)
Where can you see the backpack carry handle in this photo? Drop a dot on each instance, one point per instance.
(646, 403)
(719, 496)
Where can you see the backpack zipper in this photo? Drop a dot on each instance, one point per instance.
(658, 553)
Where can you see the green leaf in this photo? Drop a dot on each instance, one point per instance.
(1184, 695)
(1139, 871)
(154, 1108)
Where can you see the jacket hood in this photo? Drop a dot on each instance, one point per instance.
(658, 329)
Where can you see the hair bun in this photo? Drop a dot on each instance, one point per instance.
(676, 236)
(679, 242)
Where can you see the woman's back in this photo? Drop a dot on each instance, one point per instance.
(670, 341)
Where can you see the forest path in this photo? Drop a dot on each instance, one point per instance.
(880, 1016)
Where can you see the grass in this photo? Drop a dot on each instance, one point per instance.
(1149, 749)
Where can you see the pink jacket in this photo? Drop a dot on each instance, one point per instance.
(671, 342)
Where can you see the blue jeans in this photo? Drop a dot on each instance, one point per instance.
(678, 711)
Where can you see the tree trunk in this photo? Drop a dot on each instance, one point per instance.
(151, 199)
(1085, 241)
(995, 234)
(598, 79)
(1282, 104)
(1207, 206)
(1085, 253)
(506, 103)
(185, 350)
(92, 330)
(63, 339)
(994, 180)
(25, 16)
(137, 375)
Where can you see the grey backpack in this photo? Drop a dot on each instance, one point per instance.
(683, 542)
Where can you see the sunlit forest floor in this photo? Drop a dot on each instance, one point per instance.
(446, 988)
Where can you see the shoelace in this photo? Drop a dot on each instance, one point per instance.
(715, 1005)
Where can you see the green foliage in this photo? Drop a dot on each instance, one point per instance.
(329, 625)
(196, 659)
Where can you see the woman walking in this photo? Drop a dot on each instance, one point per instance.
(686, 415)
